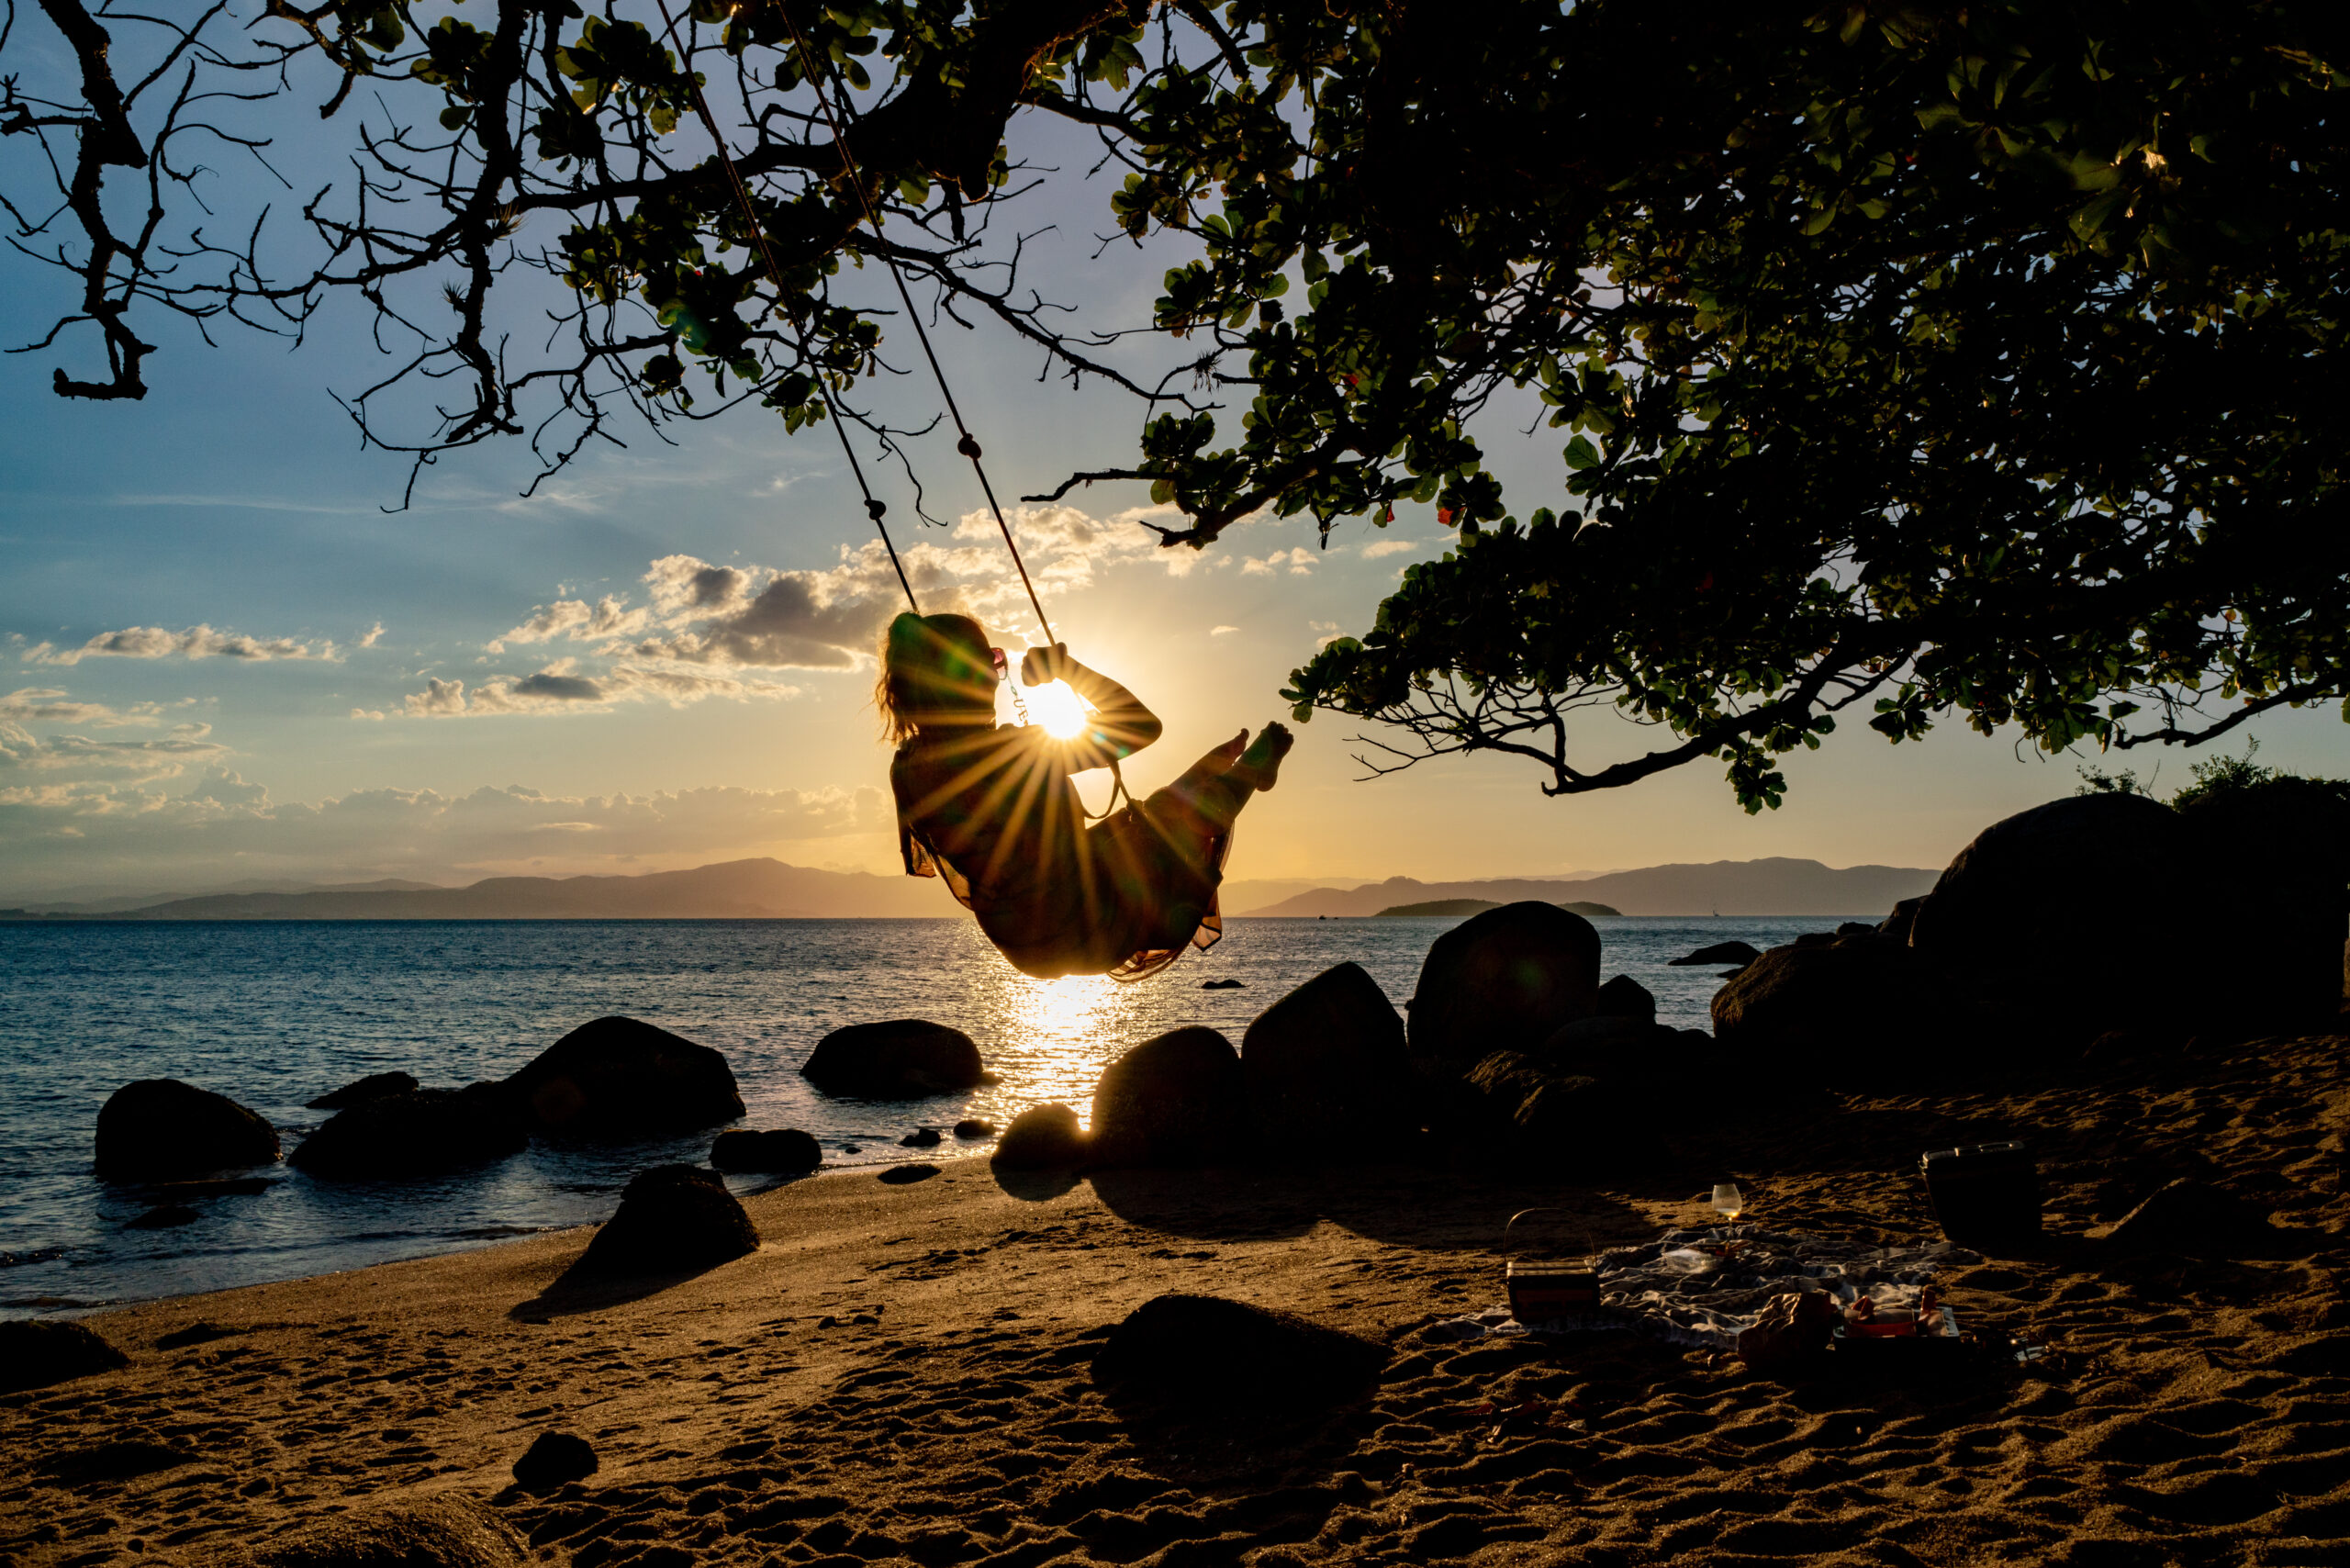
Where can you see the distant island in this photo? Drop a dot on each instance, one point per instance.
(771, 889)
(1479, 906)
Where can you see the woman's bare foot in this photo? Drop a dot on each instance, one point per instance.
(1261, 763)
(1230, 750)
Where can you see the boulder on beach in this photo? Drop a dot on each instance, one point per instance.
(902, 1059)
(784, 1150)
(38, 1352)
(158, 1128)
(1324, 1067)
(1175, 1100)
(1807, 1006)
(553, 1458)
(1625, 997)
(446, 1532)
(1905, 914)
(1203, 1349)
(2281, 846)
(1720, 953)
(1505, 979)
(2046, 912)
(1042, 1137)
(672, 1219)
(1603, 1045)
(621, 1078)
(374, 1086)
(426, 1132)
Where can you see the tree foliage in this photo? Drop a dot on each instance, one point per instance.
(1902, 359)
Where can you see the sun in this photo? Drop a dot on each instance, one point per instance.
(1062, 711)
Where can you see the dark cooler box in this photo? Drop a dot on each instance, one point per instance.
(1985, 1195)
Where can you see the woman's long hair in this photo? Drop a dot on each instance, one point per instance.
(931, 667)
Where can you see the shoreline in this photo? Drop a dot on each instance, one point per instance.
(902, 1373)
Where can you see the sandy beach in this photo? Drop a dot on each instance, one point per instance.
(903, 1373)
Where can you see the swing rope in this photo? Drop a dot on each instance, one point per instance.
(967, 445)
(874, 505)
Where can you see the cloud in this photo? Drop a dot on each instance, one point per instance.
(21, 751)
(47, 704)
(376, 715)
(559, 687)
(1222, 630)
(577, 620)
(1299, 560)
(1379, 549)
(375, 635)
(226, 827)
(195, 643)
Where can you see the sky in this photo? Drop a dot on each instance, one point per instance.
(222, 659)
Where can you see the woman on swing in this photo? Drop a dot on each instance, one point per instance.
(993, 807)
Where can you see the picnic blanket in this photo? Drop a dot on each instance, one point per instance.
(1700, 1287)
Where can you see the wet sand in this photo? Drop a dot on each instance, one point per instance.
(902, 1373)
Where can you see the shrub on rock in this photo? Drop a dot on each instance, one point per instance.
(446, 1532)
(1042, 1137)
(672, 1219)
(1326, 1065)
(1205, 1350)
(158, 1128)
(374, 1086)
(1505, 979)
(1178, 1098)
(2048, 912)
(786, 1149)
(36, 1352)
(427, 1132)
(620, 1077)
(903, 1059)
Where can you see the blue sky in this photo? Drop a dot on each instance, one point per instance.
(228, 662)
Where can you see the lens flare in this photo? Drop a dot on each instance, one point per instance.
(1062, 711)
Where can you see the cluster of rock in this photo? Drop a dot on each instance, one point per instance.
(613, 1078)
(1511, 1036)
(2051, 928)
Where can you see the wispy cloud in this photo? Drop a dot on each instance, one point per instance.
(1300, 562)
(1222, 630)
(1379, 549)
(195, 643)
(561, 689)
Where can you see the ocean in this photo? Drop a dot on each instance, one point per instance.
(276, 1013)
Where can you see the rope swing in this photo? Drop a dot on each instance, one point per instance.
(968, 444)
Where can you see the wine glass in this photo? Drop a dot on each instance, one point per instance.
(1727, 1202)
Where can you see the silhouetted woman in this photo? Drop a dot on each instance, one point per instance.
(993, 808)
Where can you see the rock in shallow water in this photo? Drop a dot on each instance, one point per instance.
(159, 1128)
(784, 1150)
(973, 1128)
(672, 1219)
(902, 1059)
(164, 1217)
(374, 1086)
(427, 1133)
(621, 1078)
(921, 1138)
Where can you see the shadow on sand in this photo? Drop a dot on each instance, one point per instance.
(578, 1290)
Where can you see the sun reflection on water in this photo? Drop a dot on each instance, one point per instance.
(1059, 1034)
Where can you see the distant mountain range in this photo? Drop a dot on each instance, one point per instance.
(763, 889)
(1776, 886)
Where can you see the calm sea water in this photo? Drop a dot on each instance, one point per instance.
(273, 1015)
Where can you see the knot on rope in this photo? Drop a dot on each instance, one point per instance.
(874, 507)
(968, 446)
